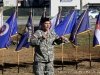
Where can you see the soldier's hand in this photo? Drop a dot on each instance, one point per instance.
(45, 36)
(35, 35)
(62, 37)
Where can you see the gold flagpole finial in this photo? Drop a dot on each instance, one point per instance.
(75, 7)
(44, 9)
(60, 8)
(31, 10)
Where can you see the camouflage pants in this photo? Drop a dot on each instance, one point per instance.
(43, 68)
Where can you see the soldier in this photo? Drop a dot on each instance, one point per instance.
(43, 41)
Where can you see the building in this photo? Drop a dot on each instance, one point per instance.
(69, 4)
(27, 3)
(1, 3)
(53, 5)
(12, 2)
(37, 3)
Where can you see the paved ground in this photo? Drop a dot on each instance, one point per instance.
(23, 22)
(36, 22)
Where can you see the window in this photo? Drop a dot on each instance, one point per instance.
(1, 0)
(36, 0)
(65, 0)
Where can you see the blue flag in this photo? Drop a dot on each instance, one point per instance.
(23, 42)
(8, 30)
(96, 38)
(15, 26)
(66, 25)
(82, 25)
(29, 24)
(55, 21)
(43, 16)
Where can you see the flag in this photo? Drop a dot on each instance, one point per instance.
(55, 21)
(66, 25)
(96, 38)
(15, 25)
(25, 38)
(43, 16)
(23, 42)
(82, 25)
(29, 25)
(6, 31)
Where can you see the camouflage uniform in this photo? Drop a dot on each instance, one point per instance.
(44, 52)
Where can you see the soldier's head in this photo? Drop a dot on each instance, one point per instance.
(45, 24)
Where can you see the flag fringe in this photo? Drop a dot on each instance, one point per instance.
(3, 48)
(78, 34)
(96, 46)
(73, 44)
(14, 35)
(83, 32)
(23, 48)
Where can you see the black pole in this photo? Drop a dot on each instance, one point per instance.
(62, 66)
(18, 60)
(18, 68)
(17, 7)
(76, 57)
(3, 62)
(76, 65)
(33, 67)
(62, 58)
(81, 5)
(90, 64)
(2, 69)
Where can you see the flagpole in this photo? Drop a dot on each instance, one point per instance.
(89, 49)
(74, 37)
(63, 34)
(32, 30)
(60, 9)
(3, 62)
(17, 7)
(44, 12)
(17, 35)
(18, 60)
(17, 16)
(89, 41)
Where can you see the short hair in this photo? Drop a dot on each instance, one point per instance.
(44, 20)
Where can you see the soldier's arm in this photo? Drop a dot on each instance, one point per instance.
(59, 40)
(36, 39)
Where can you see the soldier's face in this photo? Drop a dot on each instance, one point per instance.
(46, 26)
